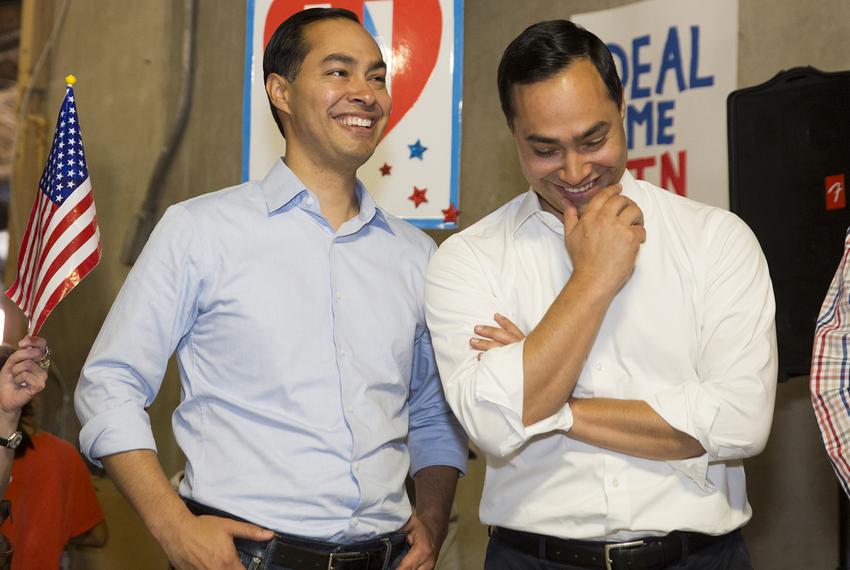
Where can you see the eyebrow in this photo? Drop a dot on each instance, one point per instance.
(586, 134)
(348, 60)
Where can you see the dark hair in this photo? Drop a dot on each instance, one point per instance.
(287, 48)
(547, 48)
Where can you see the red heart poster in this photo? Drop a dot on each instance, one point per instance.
(415, 170)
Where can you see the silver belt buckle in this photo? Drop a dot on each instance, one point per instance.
(347, 556)
(618, 546)
(389, 546)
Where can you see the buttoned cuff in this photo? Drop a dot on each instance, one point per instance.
(124, 428)
(691, 410)
(503, 386)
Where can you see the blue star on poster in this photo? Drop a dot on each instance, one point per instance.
(417, 149)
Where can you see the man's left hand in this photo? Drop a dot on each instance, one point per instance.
(493, 337)
(425, 543)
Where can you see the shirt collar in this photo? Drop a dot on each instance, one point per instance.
(281, 188)
(370, 212)
(530, 207)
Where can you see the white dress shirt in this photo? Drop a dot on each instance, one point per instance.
(691, 333)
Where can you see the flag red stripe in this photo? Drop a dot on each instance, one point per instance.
(69, 218)
(27, 235)
(27, 276)
(46, 214)
(65, 287)
(85, 234)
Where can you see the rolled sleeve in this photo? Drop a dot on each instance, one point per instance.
(121, 429)
(486, 394)
(500, 368)
(435, 436)
(729, 409)
(124, 370)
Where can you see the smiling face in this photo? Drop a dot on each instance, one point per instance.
(569, 135)
(335, 110)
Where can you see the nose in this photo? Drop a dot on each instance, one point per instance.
(575, 169)
(361, 92)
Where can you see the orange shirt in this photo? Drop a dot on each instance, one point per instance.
(53, 501)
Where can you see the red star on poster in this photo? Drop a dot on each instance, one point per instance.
(450, 214)
(385, 169)
(418, 196)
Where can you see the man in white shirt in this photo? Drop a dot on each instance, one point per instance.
(615, 430)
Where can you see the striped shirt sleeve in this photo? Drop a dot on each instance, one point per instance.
(830, 375)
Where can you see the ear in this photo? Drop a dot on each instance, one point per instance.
(278, 90)
(623, 106)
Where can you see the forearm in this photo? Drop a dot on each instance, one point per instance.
(631, 427)
(555, 351)
(140, 478)
(435, 491)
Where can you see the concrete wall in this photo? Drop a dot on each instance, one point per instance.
(126, 57)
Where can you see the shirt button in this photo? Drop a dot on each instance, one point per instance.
(342, 352)
(309, 201)
(616, 483)
(338, 295)
(599, 366)
(356, 466)
(355, 521)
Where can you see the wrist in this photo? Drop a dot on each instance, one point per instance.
(164, 524)
(9, 422)
(436, 522)
(592, 289)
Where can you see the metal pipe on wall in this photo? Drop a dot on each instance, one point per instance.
(146, 218)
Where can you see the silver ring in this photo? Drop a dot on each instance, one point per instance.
(45, 360)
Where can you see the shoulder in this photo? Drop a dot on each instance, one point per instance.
(409, 241)
(706, 223)
(211, 217)
(488, 235)
(230, 201)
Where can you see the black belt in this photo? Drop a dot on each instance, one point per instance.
(651, 553)
(306, 554)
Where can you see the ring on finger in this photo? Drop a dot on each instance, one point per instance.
(45, 360)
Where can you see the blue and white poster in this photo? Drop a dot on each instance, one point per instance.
(678, 60)
(415, 172)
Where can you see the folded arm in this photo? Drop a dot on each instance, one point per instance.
(727, 413)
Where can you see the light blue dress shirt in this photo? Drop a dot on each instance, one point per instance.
(309, 387)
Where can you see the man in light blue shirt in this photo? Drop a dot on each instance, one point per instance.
(296, 308)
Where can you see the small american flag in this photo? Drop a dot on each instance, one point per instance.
(62, 241)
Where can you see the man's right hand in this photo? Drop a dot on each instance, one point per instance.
(206, 542)
(603, 243)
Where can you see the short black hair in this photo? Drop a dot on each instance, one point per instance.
(545, 49)
(287, 48)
